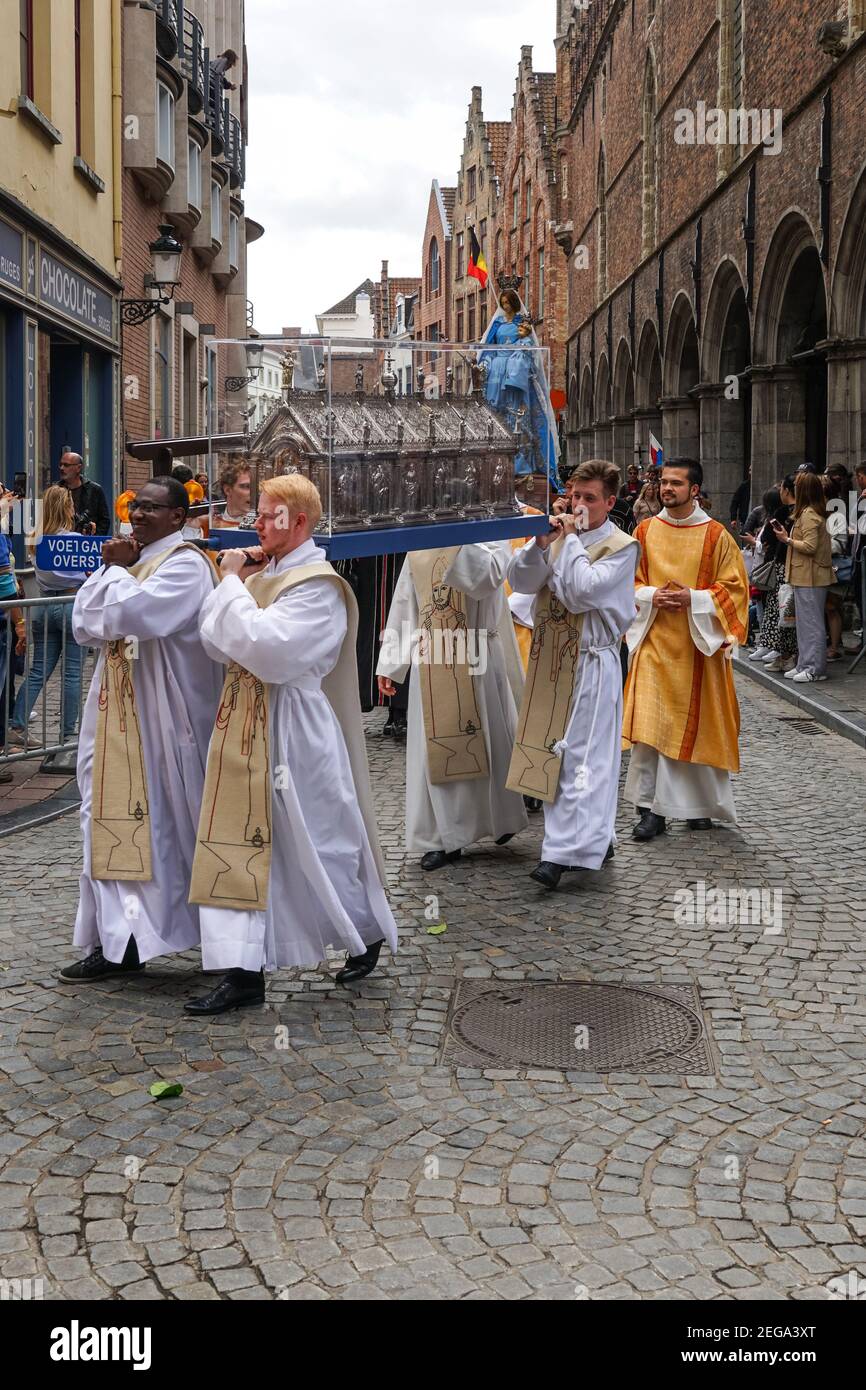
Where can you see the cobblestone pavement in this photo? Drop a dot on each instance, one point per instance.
(349, 1163)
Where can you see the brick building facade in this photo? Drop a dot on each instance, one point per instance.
(524, 244)
(184, 165)
(433, 314)
(717, 287)
(475, 206)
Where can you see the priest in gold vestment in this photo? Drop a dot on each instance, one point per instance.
(681, 718)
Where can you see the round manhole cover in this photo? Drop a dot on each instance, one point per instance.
(579, 1027)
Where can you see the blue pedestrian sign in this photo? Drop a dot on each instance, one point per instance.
(70, 557)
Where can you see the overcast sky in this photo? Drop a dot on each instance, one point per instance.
(355, 106)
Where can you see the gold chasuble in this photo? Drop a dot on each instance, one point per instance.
(677, 700)
(232, 862)
(120, 826)
(550, 683)
(456, 751)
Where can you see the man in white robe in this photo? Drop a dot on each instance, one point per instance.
(590, 572)
(171, 700)
(287, 630)
(444, 817)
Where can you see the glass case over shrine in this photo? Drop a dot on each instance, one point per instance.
(411, 445)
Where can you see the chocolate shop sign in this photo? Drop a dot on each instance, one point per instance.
(75, 296)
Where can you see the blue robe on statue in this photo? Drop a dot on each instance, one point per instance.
(516, 382)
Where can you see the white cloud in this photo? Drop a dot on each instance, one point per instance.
(355, 106)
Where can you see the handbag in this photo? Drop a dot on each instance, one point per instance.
(843, 568)
(766, 576)
(786, 606)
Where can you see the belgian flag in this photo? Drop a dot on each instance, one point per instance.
(477, 265)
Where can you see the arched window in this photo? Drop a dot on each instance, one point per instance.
(601, 249)
(434, 266)
(515, 200)
(650, 158)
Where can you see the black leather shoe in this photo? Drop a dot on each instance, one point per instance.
(649, 826)
(533, 803)
(609, 855)
(96, 967)
(357, 967)
(503, 839)
(235, 990)
(704, 823)
(438, 858)
(548, 874)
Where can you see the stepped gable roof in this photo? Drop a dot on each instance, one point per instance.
(545, 83)
(497, 136)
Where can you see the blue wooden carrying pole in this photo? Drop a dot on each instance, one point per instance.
(350, 545)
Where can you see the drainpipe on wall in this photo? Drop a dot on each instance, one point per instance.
(117, 131)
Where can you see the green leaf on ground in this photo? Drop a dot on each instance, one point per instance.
(437, 930)
(160, 1089)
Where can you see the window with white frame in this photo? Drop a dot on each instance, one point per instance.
(194, 174)
(164, 124)
(233, 238)
(216, 211)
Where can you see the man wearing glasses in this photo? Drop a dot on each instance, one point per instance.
(88, 499)
(144, 737)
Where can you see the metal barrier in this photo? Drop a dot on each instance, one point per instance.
(55, 670)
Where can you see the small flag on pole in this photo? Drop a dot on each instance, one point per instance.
(657, 453)
(477, 266)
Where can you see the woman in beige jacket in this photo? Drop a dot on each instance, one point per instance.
(809, 571)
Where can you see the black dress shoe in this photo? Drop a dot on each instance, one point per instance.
(96, 967)
(357, 967)
(548, 874)
(438, 858)
(503, 839)
(649, 826)
(533, 803)
(609, 855)
(704, 823)
(235, 990)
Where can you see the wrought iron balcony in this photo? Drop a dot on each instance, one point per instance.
(216, 108)
(234, 155)
(169, 25)
(192, 63)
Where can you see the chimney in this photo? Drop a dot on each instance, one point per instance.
(526, 55)
(475, 104)
(384, 270)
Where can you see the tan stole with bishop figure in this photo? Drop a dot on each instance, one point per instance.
(120, 814)
(232, 862)
(550, 683)
(456, 751)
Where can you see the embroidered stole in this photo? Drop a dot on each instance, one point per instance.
(120, 816)
(232, 862)
(456, 750)
(550, 683)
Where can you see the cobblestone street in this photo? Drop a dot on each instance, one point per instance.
(321, 1149)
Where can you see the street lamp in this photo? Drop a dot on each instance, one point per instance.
(254, 350)
(165, 253)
